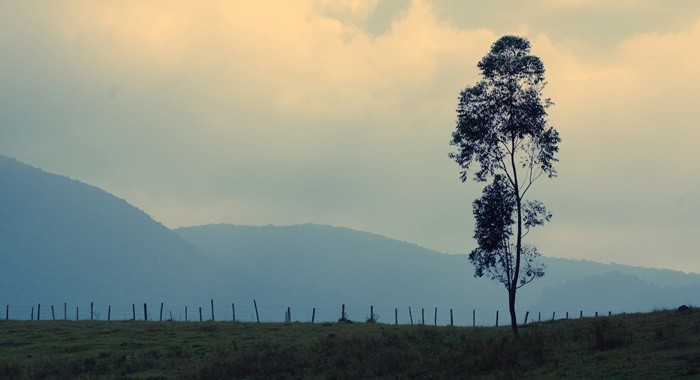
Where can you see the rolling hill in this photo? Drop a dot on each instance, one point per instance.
(322, 265)
(65, 241)
(312, 265)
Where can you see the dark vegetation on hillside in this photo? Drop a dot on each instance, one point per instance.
(654, 345)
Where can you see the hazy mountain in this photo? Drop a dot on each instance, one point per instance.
(321, 265)
(618, 291)
(64, 241)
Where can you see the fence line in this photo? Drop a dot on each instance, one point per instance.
(253, 312)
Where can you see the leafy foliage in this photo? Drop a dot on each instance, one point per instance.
(494, 216)
(535, 214)
(494, 221)
(504, 117)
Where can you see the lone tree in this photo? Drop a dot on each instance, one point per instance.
(502, 133)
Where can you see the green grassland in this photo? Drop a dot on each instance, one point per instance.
(661, 344)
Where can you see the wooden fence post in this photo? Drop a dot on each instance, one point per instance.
(313, 315)
(527, 313)
(145, 312)
(185, 313)
(53, 315)
(7, 312)
(38, 312)
(92, 310)
(539, 316)
(473, 317)
(581, 315)
(32, 317)
(410, 315)
(371, 313)
(396, 316)
(342, 312)
(435, 317)
(65, 311)
(212, 309)
(133, 311)
(160, 317)
(289, 314)
(567, 315)
(554, 312)
(422, 316)
(200, 313)
(496, 318)
(609, 313)
(257, 316)
(452, 322)
(109, 312)
(77, 314)
(596, 314)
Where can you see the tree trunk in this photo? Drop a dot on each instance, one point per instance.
(511, 308)
(518, 243)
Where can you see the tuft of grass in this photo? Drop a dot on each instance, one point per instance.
(660, 344)
(608, 335)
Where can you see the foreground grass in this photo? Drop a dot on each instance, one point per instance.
(655, 345)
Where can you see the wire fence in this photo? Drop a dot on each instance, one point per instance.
(255, 312)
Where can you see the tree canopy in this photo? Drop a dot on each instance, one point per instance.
(501, 121)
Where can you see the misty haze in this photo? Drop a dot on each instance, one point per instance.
(349, 189)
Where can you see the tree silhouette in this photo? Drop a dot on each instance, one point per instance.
(502, 131)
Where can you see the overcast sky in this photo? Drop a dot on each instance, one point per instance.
(340, 113)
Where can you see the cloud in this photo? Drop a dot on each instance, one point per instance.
(306, 111)
(628, 134)
(304, 57)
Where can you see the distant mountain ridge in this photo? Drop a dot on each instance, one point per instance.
(324, 265)
(64, 241)
(335, 263)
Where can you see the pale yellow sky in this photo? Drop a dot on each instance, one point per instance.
(340, 112)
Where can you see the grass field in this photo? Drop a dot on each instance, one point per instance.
(652, 345)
